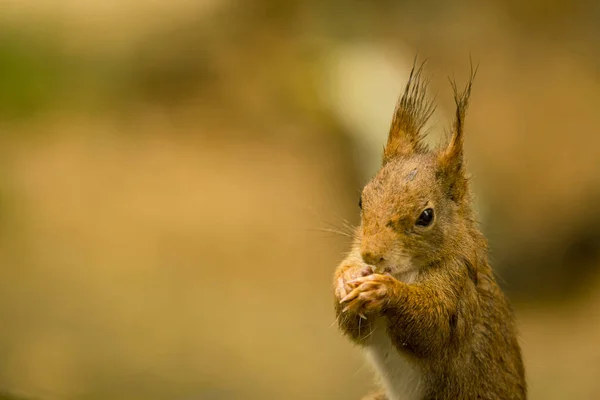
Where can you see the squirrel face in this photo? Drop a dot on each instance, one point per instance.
(406, 215)
(414, 210)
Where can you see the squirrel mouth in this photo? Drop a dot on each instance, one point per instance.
(395, 272)
(383, 271)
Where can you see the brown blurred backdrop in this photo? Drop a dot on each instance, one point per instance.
(174, 174)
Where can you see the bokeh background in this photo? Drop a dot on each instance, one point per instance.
(177, 179)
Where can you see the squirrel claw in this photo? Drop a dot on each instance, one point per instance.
(350, 296)
(370, 293)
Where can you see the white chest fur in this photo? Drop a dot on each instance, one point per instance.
(400, 376)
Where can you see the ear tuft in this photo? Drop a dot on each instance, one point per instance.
(451, 158)
(412, 111)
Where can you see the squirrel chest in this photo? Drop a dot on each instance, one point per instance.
(400, 375)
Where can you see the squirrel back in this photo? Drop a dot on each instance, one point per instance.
(416, 290)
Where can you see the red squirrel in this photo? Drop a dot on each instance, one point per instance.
(416, 291)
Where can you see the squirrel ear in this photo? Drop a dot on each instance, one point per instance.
(451, 158)
(412, 111)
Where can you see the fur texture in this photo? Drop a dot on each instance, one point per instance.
(421, 299)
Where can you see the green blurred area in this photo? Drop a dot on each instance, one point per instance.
(174, 176)
(32, 73)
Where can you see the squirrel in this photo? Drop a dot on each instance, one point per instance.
(416, 290)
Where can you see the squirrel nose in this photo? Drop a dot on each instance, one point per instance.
(372, 258)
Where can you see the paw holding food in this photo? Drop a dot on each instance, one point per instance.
(369, 293)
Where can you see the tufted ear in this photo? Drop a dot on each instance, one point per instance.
(412, 111)
(451, 160)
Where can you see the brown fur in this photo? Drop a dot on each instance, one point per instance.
(432, 285)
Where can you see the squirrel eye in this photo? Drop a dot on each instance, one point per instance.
(426, 217)
(360, 202)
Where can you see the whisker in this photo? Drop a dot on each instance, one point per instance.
(359, 322)
(335, 322)
(362, 366)
(345, 225)
(343, 228)
(331, 230)
(368, 334)
(344, 221)
(349, 226)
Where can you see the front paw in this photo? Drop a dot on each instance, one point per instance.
(348, 274)
(370, 294)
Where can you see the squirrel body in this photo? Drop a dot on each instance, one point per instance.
(416, 290)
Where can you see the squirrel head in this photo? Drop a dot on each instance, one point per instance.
(416, 210)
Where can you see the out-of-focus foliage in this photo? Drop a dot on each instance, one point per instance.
(33, 72)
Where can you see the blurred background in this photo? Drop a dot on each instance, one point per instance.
(177, 179)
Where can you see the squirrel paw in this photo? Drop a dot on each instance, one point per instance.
(349, 274)
(369, 293)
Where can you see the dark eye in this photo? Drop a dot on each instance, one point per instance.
(360, 203)
(426, 217)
